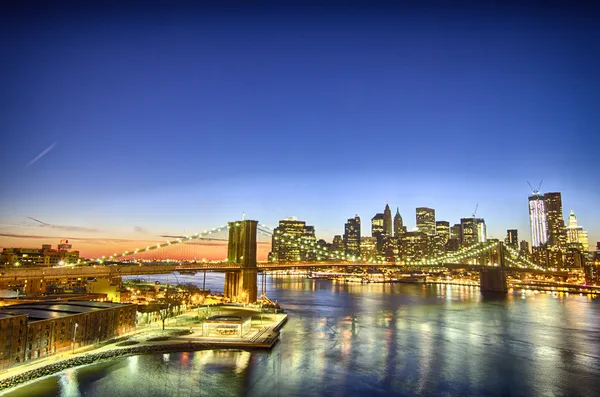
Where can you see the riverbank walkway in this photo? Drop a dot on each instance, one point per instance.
(263, 335)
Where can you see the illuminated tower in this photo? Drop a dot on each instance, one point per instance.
(352, 236)
(426, 221)
(576, 234)
(387, 221)
(378, 229)
(512, 238)
(555, 225)
(398, 224)
(537, 220)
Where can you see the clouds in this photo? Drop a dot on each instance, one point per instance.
(141, 230)
(68, 228)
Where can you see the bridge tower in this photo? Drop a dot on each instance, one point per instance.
(493, 279)
(241, 286)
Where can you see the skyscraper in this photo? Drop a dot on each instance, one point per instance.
(442, 236)
(414, 246)
(537, 220)
(456, 232)
(378, 229)
(442, 229)
(352, 236)
(398, 224)
(512, 238)
(473, 231)
(576, 234)
(289, 230)
(426, 221)
(555, 224)
(338, 244)
(387, 221)
(368, 248)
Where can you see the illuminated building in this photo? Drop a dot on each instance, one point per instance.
(352, 236)
(378, 229)
(399, 228)
(456, 232)
(368, 248)
(473, 231)
(46, 256)
(576, 234)
(442, 229)
(40, 329)
(387, 221)
(524, 249)
(414, 246)
(426, 221)
(574, 258)
(555, 225)
(324, 245)
(288, 239)
(338, 244)
(442, 235)
(390, 248)
(308, 237)
(537, 220)
(512, 238)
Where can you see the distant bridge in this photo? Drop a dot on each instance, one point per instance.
(241, 266)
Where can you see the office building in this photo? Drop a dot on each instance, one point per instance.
(337, 245)
(442, 229)
(524, 249)
(387, 221)
(288, 241)
(442, 236)
(426, 221)
(414, 246)
(473, 231)
(456, 232)
(378, 229)
(537, 220)
(512, 238)
(555, 224)
(399, 228)
(368, 248)
(576, 234)
(352, 237)
(574, 258)
(390, 248)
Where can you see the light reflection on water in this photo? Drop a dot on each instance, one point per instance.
(376, 339)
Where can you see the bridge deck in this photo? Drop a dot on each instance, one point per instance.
(145, 269)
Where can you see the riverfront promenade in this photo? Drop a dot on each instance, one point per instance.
(151, 339)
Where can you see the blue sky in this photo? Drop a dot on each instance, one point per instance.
(181, 120)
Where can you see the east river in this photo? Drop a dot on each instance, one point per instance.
(375, 340)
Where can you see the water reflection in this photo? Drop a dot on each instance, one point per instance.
(375, 339)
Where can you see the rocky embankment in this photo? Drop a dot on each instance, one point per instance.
(51, 369)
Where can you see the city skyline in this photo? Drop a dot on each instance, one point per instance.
(116, 133)
(92, 247)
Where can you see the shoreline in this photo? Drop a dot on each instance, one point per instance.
(93, 358)
(175, 344)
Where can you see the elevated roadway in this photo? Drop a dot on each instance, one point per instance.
(113, 270)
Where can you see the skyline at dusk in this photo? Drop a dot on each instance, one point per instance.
(169, 123)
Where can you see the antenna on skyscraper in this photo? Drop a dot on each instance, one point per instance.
(535, 191)
(243, 215)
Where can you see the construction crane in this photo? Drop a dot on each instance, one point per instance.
(535, 191)
(475, 212)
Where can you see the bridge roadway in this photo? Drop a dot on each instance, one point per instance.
(14, 274)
